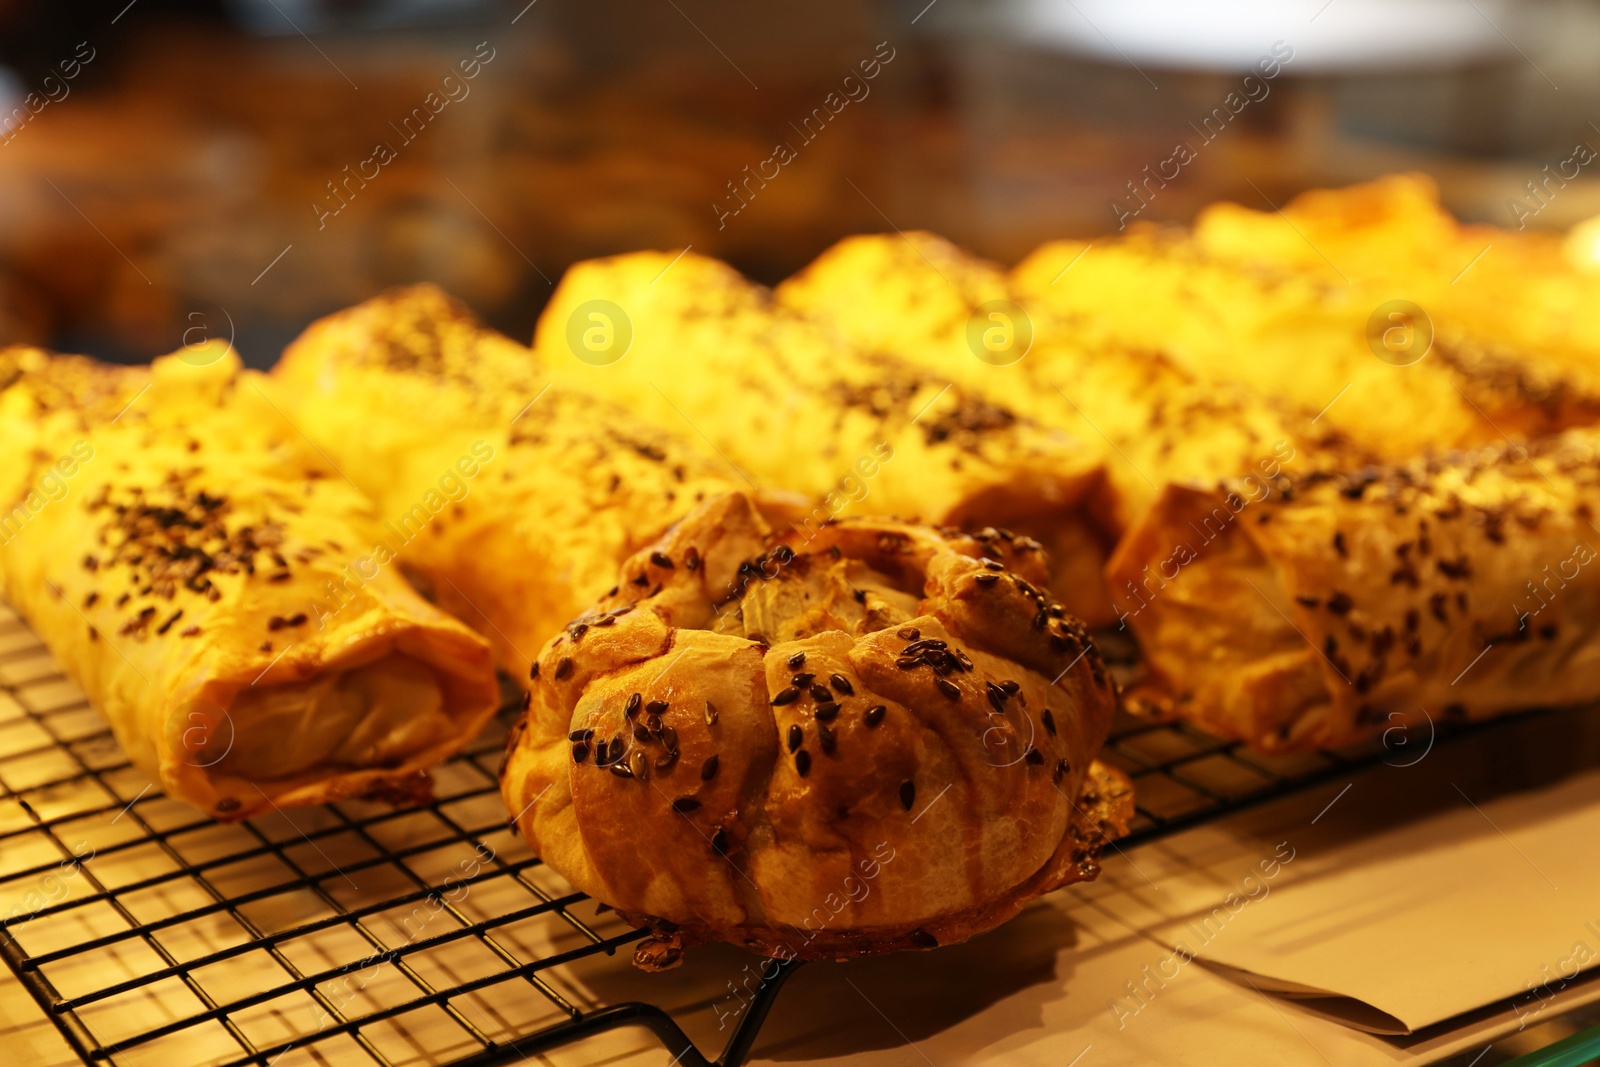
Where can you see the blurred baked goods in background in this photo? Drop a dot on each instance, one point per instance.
(204, 140)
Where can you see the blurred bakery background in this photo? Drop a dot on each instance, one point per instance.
(172, 169)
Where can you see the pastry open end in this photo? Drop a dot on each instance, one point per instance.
(215, 588)
(878, 736)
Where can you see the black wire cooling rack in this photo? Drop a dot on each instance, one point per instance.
(358, 934)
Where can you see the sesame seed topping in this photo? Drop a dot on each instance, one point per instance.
(908, 633)
(1049, 721)
(638, 764)
(797, 661)
(820, 694)
(908, 794)
(826, 738)
(684, 805)
(842, 684)
(826, 712)
(874, 714)
(708, 769)
(711, 715)
(948, 688)
(797, 736)
(786, 696)
(533, 672)
(802, 763)
(564, 667)
(660, 559)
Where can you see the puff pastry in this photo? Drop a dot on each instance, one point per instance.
(511, 501)
(921, 298)
(1307, 337)
(170, 537)
(1458, 587)
(860, 431)
(821, 748)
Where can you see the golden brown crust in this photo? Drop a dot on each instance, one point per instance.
(860, 431)
(1451, 588)
(409, 394)
(188, 561)
(844, 742)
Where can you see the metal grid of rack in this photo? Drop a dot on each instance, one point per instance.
(355, 933)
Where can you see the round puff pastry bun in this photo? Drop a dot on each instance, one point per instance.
(818, 748)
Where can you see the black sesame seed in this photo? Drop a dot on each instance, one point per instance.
(802, 679)
(666, 759)
(948, 688)
(1049, 721)
(691, 558)
(533, 673)
(797, 661)
(708, 769)
(564, 667)
(643, 579)
(1010, 687)
(986, 579)
(908, 633)
(653, 724)
(632, 707)
(719, 842)
(581, 735)
(669, 738)
(621, 770)
(786, 696)
(861, 596)
(994, 565)
(826, 712)
(639, 764)
(641, 735)
(580, 752)
(820, 694)
(660, 559)
(922, 939)
(1034, 756)
(842, 684)
(711, 714)
(875, 714)
(684, 805)
(656, 707)
(797, 736)
(908, 794)
(1061, 769)
(825, 738)
(907, 663)
(802, 763)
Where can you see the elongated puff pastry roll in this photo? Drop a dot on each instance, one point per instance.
(170, 540)
(1453, 588)
(513, 501)
(919, 297)
(687, 341)
(818, 749)
(1397, 373)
